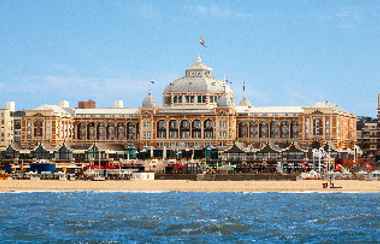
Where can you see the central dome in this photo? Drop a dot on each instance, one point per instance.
(198, 81)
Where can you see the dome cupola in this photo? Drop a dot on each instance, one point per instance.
(245, 102)
(148, 101)
(197, 87)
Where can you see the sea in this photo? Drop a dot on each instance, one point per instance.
(174, 217)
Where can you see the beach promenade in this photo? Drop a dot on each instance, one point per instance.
(188, 186)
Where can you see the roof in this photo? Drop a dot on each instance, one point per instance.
(268, 149)
(198, 79)
(270, 109)
(82, 111)
(245, 102)
(198, 85)
(294, 148)
(234, 149)
(55, 108)
(148, 101)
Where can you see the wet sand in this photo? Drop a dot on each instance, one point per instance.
(188, 186)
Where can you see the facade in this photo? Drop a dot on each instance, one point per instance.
(378, 126)
(367, 135)
(198, 110)
(6, 125)
(17, 121)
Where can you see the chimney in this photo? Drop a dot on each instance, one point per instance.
(118, 104)
(87, 104)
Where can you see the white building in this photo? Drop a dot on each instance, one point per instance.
(6, 124)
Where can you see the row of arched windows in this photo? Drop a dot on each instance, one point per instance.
(103, 131)
(274, 129)
(184, 129)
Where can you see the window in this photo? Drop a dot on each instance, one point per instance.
(185, 129)
(199, 99)
(196, 133)
(147, 135)
(146, 124)
(38, 128)
(161, 129)
(173, 129)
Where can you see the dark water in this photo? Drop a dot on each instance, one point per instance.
(189, 217)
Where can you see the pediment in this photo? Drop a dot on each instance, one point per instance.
(38, 115)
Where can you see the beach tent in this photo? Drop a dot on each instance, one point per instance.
(268, 153)
(235, 154)
(10, 153)
(64, 153)
(294, 153)
(40, 152)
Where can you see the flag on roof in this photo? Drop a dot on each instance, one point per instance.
(202, 42)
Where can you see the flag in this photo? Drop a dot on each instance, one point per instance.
(202, 42)
(152, 81)
(243, 86)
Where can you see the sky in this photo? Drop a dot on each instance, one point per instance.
(288, 52)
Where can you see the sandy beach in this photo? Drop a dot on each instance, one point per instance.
(188, 186)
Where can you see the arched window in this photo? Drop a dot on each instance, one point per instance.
(81, 131)
(101, 132)
(173, 129)
(264, 130)
(131, 131)
(111, 132)
(285, 129)
(120, 131)
(253, 130)
(243, 129)
(185, 129)
(38, 128)
(91, 131)
(161, 129)
(294, 129)
(208, 129)
(275, 129)
(197, 129)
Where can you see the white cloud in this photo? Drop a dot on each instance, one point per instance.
(214, 10)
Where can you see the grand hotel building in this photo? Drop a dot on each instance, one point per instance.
(197, 110)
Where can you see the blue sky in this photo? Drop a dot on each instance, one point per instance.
(288, 52)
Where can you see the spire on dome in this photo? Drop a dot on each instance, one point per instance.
(245, 101)
(198, 59)
(199, 65)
